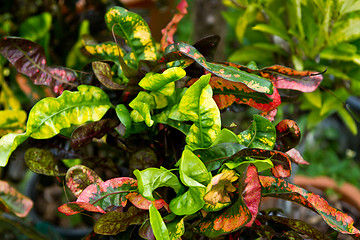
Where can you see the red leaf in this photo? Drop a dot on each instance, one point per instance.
(252, 192)
(274, 187)
(108, 189)
(287, 78)
(296, 157)
(140, 202)
(72, 208)
(170, 29)
(228, 92)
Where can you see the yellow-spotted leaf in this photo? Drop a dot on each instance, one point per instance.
(12, 121)
(217, 196)
(143, 104)
(134, 30)
(198, 106)
(50, 115)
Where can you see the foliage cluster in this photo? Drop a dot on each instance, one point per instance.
(157, 111)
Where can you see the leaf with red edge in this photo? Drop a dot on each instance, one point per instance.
(296, 157)
(281, 161)
(182, 51)
(228, 92)
(140, 202)
(72, 208)
(13, 201)
(288, 135)
(80, 177)
(170, 29)
(297, 225)
(114, 222)
(84, 134)
(230, 220)
(287, 78)
(217, 192)
(29, 59)
(252, 192)
(108, 194)
(279, 188)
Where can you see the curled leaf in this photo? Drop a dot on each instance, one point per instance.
(78, 207)
(288, 135)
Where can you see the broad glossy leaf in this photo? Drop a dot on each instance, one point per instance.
(124, 115)
(162, 82)
(50, 115)
(142, 203)
(252, 192)
(113, 223)
(279, 188)
(194, 175)
(192, 170)
(142, 105)
(84, 134)
(288, 135)
(261, 134)
(152, 178)
(170, 29)
(228, 92)
(157, 224)
(134, 30)
(111, 193)
(179, 51)
(224, 222)
(42, 161)
(103, 73)
(241, 166)
(72, 208)
(105, 51)
(80, 177)
(217, 192)
(298, 225)
(8, 144)
(198, 106)
(14, 201)
(29, 59)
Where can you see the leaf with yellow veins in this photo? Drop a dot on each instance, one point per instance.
(217, 196)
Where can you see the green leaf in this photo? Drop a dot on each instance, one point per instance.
(162, 82)
(346, 30)
(143, 104)
(36, 27)
(176, 228)
(8, 144)
(124, 115)
(261, 165)
(157, 224)
(279, 188)
(314, 98)
(348, 120)
(244, 20)
(194, 175)
(180, 51)
(261, 134)
(12, 121)
(198, 106)
(348, 6)
(134, 30)
(153, 178)
(105, 51)
(42, 161)
(14, 201)
(272, 30)
(75, 57)
(113, 223)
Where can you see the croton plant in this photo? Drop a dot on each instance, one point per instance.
(160, 107)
